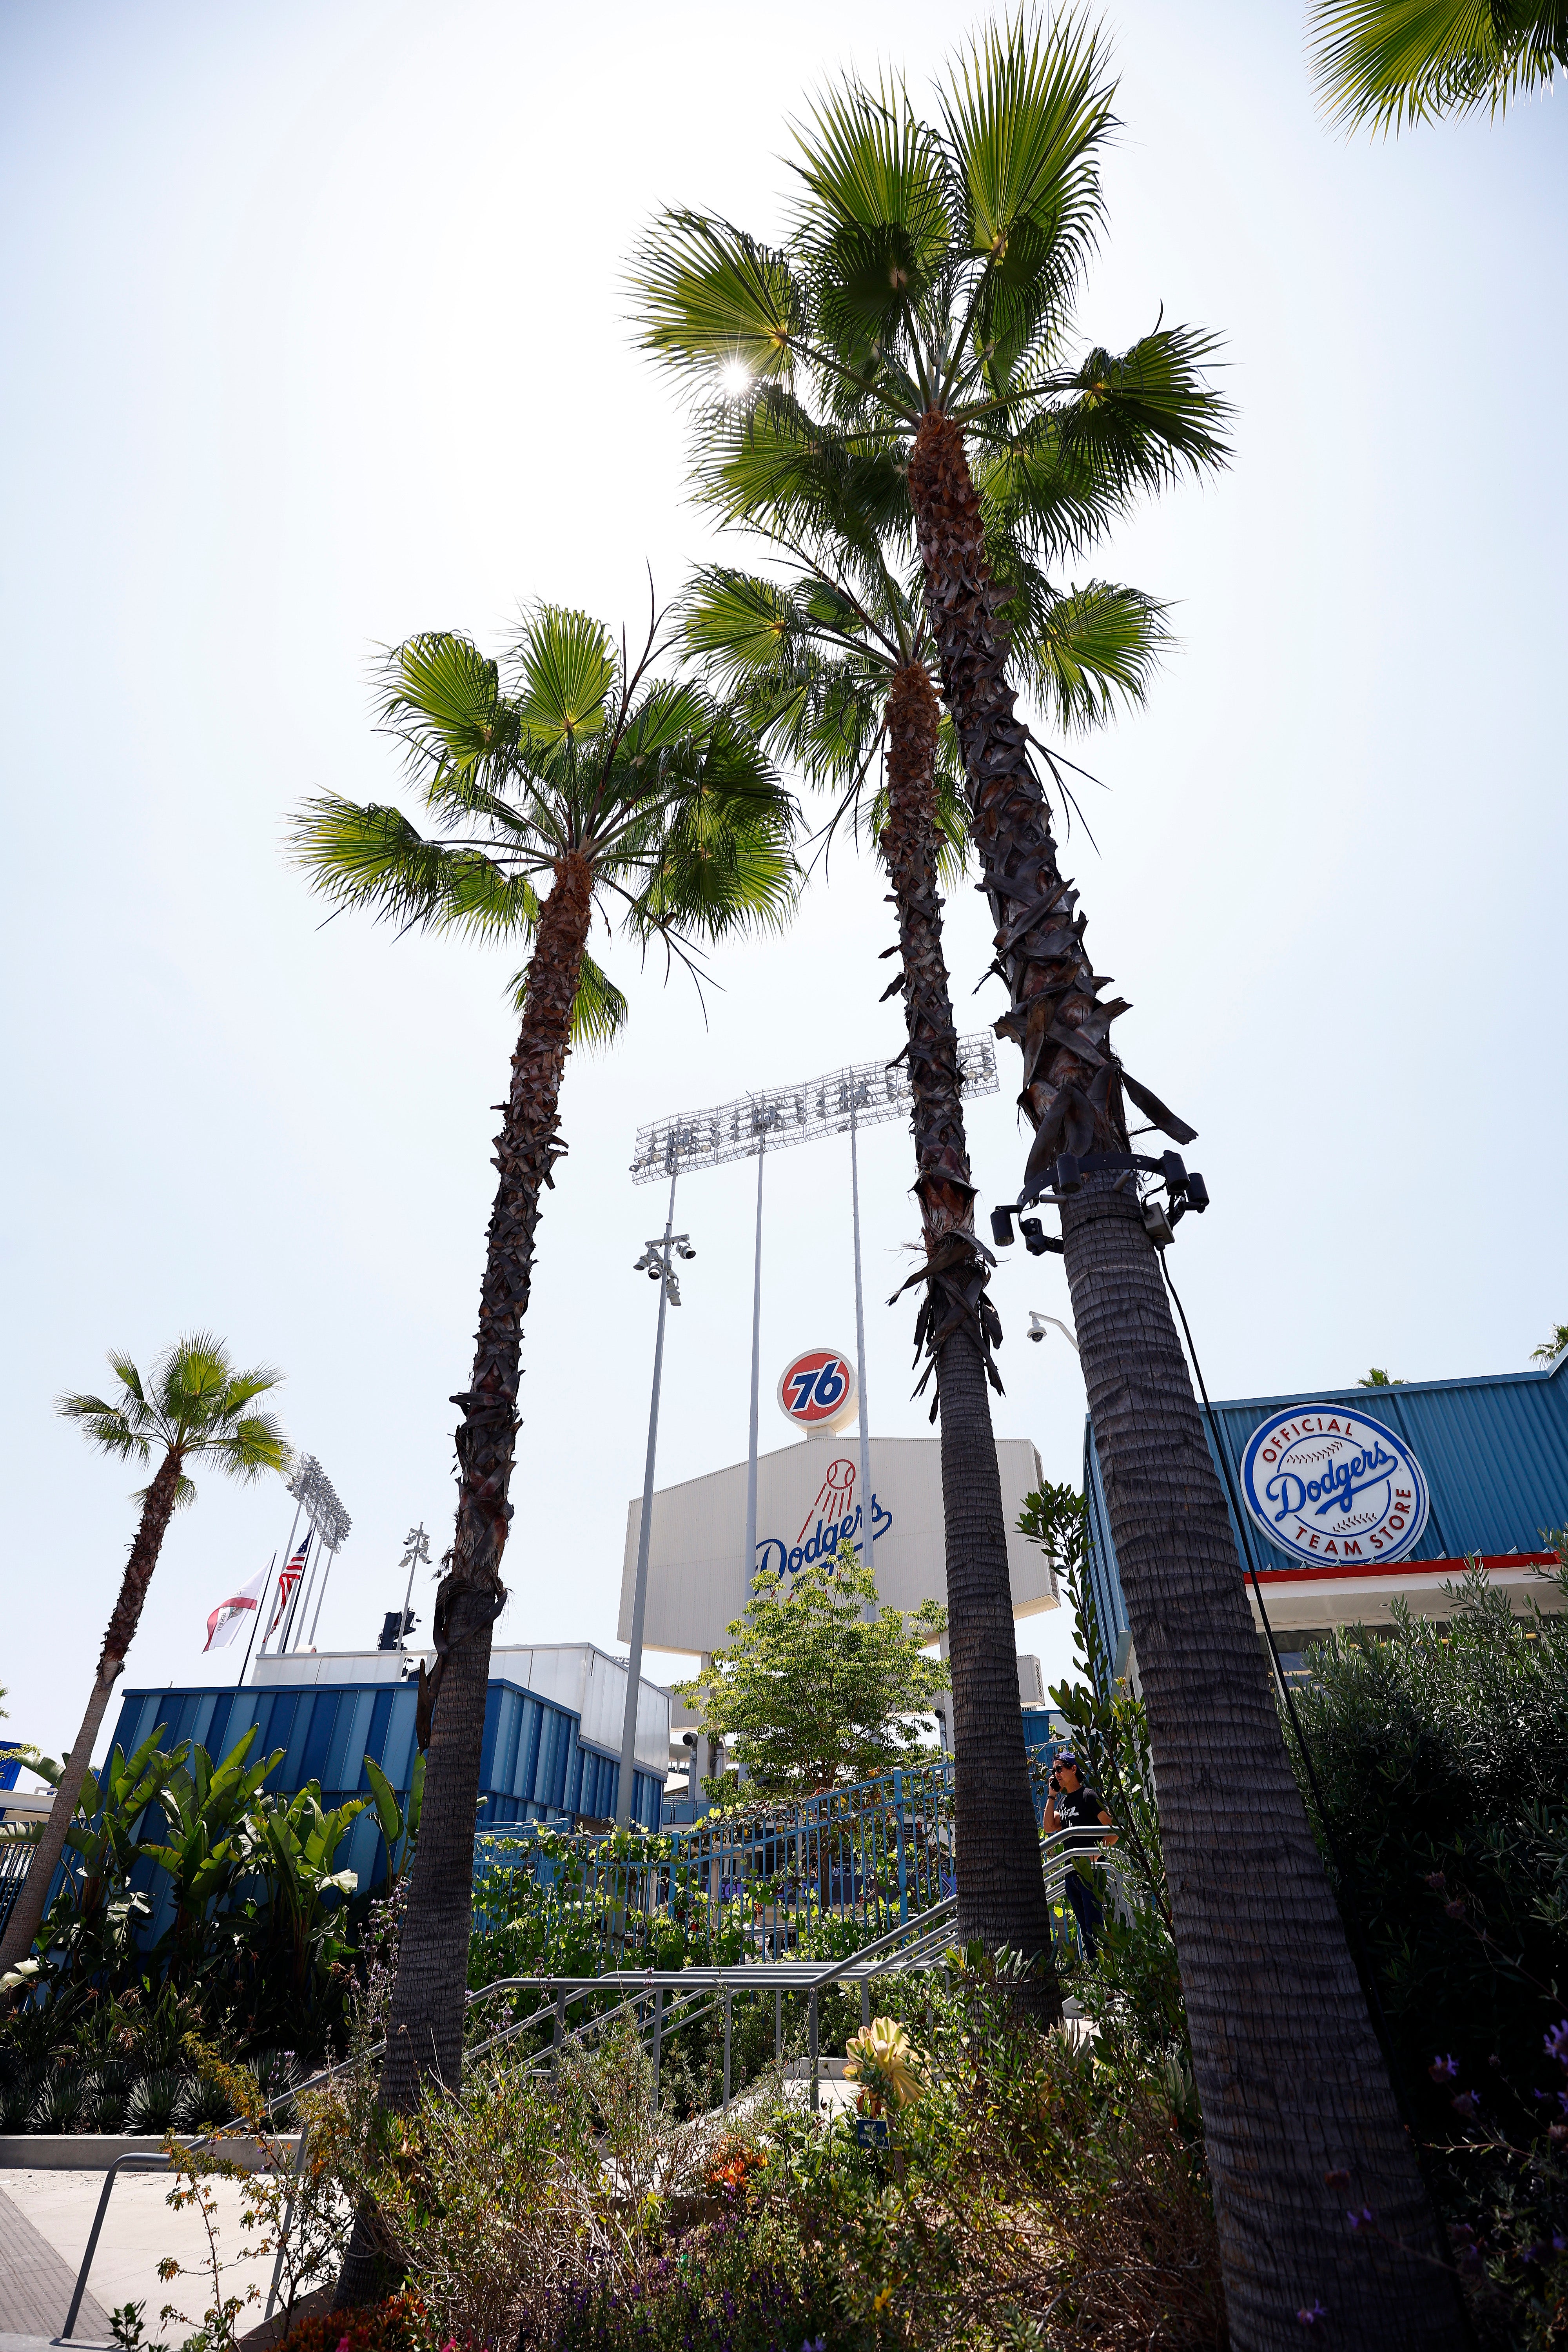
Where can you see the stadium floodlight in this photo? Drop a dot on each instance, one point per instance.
(315, 1498)
(864, 1095)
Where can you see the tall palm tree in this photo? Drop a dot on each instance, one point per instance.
(1388, 62)
(573, 783)
(924, 301)
(835, 657)
(194, 1406)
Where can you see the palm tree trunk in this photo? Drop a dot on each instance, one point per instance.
(27, 1911)
(425, 2027)
(1293, 2084)
(1001, 1888)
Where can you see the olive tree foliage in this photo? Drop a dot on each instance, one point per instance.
(814, 1691)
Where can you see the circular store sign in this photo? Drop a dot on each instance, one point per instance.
(817, 1389)
(1331, 1488)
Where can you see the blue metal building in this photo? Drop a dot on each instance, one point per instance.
(534, 1765)
(1495, 1452)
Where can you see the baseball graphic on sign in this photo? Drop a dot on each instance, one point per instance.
(817, 1391)
(1331, 1488)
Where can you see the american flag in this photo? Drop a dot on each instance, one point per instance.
(288, 1578)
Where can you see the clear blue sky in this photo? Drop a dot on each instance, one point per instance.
(313, 337)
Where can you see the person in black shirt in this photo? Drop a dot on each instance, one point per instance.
(1080, 1812)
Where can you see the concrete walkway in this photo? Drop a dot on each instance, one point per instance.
(45, 2217)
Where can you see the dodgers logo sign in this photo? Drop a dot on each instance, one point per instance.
(817, 1389)
(833, 1518)
(1333, 1488)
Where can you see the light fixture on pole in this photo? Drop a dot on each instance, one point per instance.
(840, 1102)
(1037, 1328)
(658, 1262)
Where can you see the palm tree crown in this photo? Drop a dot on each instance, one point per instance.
(567, 750)
(937, 267)
(193, 1403)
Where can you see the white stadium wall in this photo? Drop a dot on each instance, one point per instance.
(807, 1493)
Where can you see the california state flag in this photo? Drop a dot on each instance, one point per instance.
(230, 1615)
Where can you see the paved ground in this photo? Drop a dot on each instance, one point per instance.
(45, 2220)
(36, 2284)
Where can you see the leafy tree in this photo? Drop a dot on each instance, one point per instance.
(812, 1692)
(1378, 1378)
(194, 1406)
(570, 781)
(1389, 62)
(924, 302)
(1550, 1350)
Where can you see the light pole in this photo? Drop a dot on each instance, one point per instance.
(658, 1262)
(864, 1095)
(417, 1551)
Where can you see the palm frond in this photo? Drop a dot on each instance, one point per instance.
(374, 857)
(1086, 651)
(443, 701)
(710, 297)
(875, 220)
(1389, 62)
(105, 1425)
(566, 664)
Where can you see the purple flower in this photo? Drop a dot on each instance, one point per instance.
(1455, 1910)
(1310, 2313)
(1556, 2044)
(1467, 2104)
(1362, 2220)
(1444, 2070)
(1435, 1881)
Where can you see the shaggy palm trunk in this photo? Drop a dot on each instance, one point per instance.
(1001, 1888)
(27, 1911)
(1299, 2114)
(425, 2027)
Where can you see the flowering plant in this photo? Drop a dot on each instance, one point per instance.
(883, 2061)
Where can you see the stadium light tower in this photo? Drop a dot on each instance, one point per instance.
(840, 1102)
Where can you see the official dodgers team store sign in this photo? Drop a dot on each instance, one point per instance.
(1328, 1486)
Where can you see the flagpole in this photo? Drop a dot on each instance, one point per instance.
(288, 1555)
(332, 1557)
(253, 1624)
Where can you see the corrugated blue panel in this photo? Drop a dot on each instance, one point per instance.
(376, 1737)
(1495, 1451)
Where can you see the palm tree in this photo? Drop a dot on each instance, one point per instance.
(1389, 62)
(924, 303)
(194, 1406)
(580, 784)
(834, 656)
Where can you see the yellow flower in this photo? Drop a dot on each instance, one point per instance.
(883, 2300)
(882, 2052)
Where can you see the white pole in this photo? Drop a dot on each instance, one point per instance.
(639, 1593)
(750, 1566)
(866, 1506)
(332, 1557)
(287, 1556)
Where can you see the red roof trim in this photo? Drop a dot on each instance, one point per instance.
(1354, 1569)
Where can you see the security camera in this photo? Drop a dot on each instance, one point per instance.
(688, 1251)
(1037, 1335)
(689, 1739)
(653, 1271)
